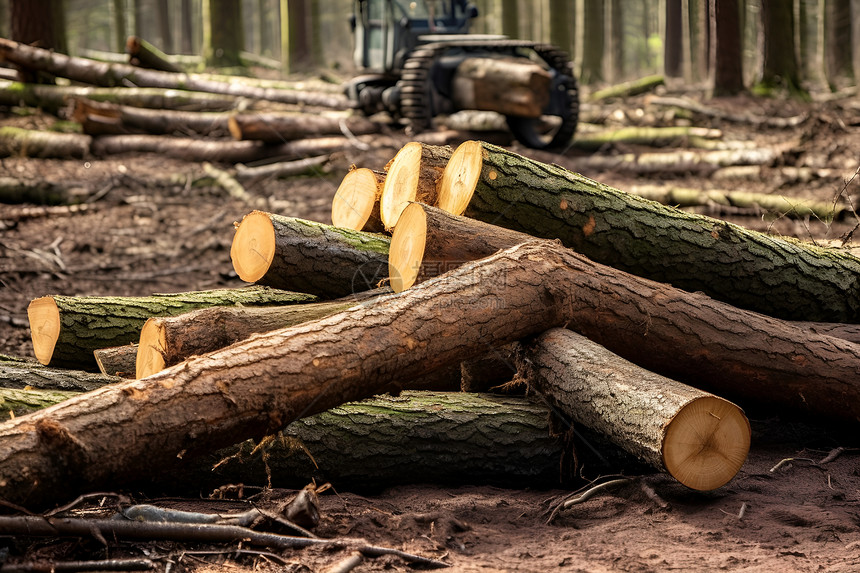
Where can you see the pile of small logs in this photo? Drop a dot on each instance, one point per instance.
(638, 321)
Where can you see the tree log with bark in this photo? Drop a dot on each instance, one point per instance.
(256, 387)
(650, 136)
(356, 201)
(772, 275)
(67, 329)
(22, 373)
(15, 141)
(332, 262)
(685, 336)
(110, 75)
(101, 118)
(279, 127)
(412, 175)
(145, 55)
(699, 439)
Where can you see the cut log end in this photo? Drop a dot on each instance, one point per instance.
(354, 200)
(150, 351)
(253, 246)
(407, 247)
(460, 177)
(706, 443)
(44, 319)
(401, 183)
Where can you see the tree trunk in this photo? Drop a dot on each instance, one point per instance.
(726, 48)
(15, 141)
(332, 262)
(697, 438)
(17, 402)
(222, 36)
(169, 340)
(838, 59)
(505, 85)
(56, 97)
(97, 118)
(779, 66)
(686, 336)
(117, 360)
(142, 53)
(187, 36)
(593, 42)
(775, 276)
(412, 175)
(255, 387)
(110, 75)
(628, 89)
(67, 329)
(38, 22)
(119, 28)
(276, 127)
(215, 151)
(673, 52)
(650, 136)
(356, 201)
(21, 373)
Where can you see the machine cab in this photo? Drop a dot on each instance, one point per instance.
(386, 31)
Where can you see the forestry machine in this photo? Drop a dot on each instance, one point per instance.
(414, 54)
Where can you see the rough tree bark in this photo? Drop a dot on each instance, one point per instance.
(21, 373)
(650, 136)
(142, 53)
(275, 127)
(256, 387)
(103, 118)
(726, 48)
(685, 336)
(699, 439)
(67, 329)
(775, 276)
(117, 360)
(274, 250)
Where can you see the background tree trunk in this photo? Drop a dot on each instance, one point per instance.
(726, 50)
(223, 34)
(838, 59)
(673, 54)
(593, 42)
(779, 64)
(39, 22)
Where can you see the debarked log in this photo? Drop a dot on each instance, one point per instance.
(67, 329)
(776, 276)
(699, 439)
(260, 385)
(750, 358)
(296, 254)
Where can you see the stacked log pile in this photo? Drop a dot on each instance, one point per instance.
(653, 327)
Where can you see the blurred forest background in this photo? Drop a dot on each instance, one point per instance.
(801, 46)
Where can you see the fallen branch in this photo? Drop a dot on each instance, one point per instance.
(104, 118)
(15, 141)
(279, 127)
(650, 136)
(142, 53)
(628, 89)
(696, 107)
(22, 373)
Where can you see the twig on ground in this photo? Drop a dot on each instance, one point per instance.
(347, 564)
(72, 566)
(789, 460)
(585, 496)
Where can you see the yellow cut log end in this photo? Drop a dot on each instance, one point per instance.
(253, 246)
(44, 319)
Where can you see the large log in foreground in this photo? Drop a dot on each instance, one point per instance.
(256, 387)
(66, 329)
(296, 254)
(742, 355)
(779, 277)
(698, 438)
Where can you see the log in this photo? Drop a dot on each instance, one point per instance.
(356, 201)
(280, 127)
(650, 136)
(780, 277)
(755, 120)
(23, 373)
(331, 262)
(699, 439)
(41, 192)
(117, 360)
(411, 176)
(510, 86)
(103, 118)
(55, 97)
(749, 358)
(282, 168)
(17, 402)
(67, 329)
(260, 385)
(681, 162)
(142, 53)
(628, 89)
(215, 151)
(490, 371)
(15, 141)
(169, 340)
(111, 75)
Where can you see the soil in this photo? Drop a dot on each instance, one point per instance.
(137, 236)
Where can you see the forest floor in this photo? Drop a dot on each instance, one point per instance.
(137, 238)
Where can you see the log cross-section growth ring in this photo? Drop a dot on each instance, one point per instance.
(412, 175)
(356, 201)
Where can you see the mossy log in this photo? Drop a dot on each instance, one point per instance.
(142, 53)
(296, 254)
(685, 336)
(169, 340)
(15, 141)
(650, 136)
(104, 118)
(21, 373)
(280, 127)
(110, 75)
(258, 386)
(41, 192)
(772, 275)
(699, 439)
(67, 329)
(628, 89)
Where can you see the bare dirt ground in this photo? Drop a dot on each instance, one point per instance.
(137, 237)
